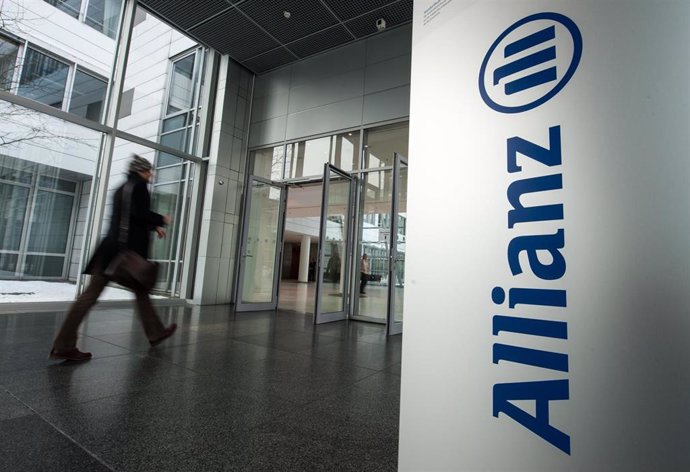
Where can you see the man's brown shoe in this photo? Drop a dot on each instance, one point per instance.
(167, 332)
(71, 354)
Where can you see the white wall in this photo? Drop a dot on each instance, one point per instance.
(359, 84)
(624, 118)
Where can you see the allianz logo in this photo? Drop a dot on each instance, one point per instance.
(530, 62)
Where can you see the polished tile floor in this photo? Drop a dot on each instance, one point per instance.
(253, 391)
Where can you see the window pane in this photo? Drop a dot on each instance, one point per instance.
(182, 85)
(173, 123)
(14, 175)
(383, 143)
(308, 157)
(8, 264)
(104, 16)
(268, 163)
(44, 266)
(71, 7)
(169, 174)
(164, 200)
(50, 222)
(165, 159)
(58, 184)
(175, 140)
(43, 79)
(345, 151)
(88, 94)
(8, 62)
(13, 201)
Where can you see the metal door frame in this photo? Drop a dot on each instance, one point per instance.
(394, 327)
(242, 253)
(347, 256)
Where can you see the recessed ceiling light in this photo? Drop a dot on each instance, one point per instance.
(287, 14)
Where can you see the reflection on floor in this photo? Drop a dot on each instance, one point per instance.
(300, 297)
(250, 391)
(297, 296)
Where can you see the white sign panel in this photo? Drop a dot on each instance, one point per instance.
(546, 316)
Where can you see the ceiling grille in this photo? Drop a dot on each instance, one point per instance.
(258, 35)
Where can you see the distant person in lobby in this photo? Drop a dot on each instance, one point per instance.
(364, 273)
(141, 222)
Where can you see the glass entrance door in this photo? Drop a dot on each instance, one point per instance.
(335, 246)
(261, 243)
(398, 227)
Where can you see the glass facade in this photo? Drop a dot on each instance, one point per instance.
(46, 170)
(49, 178)
(304, 160)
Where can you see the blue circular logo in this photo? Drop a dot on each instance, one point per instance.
(530, 62)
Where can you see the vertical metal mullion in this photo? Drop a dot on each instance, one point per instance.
(196, 74)
(180, 236)
(69, 87)
(280, 238)
(351, 239)
(322, 242)
(82, 11)
(393, 238)
(99, 190)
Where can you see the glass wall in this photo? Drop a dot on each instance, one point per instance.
(376, 199)
(170, 195)
(268, 163)
(49, 166)
(382, 143)
(46, 171)
(306, 158)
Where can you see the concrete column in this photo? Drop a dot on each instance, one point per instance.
(304, 259)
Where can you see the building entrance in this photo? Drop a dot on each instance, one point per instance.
(315, 230)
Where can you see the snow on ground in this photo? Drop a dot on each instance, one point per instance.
(32, 291)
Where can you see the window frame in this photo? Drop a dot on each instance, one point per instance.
(68, 80)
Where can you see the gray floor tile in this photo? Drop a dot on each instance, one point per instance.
(361, 354)
(31, 356)
(297, 378)
(213, 355)
(10, 407)
(288, 340)
(136, 340)
(29, 443)
(124, 370)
